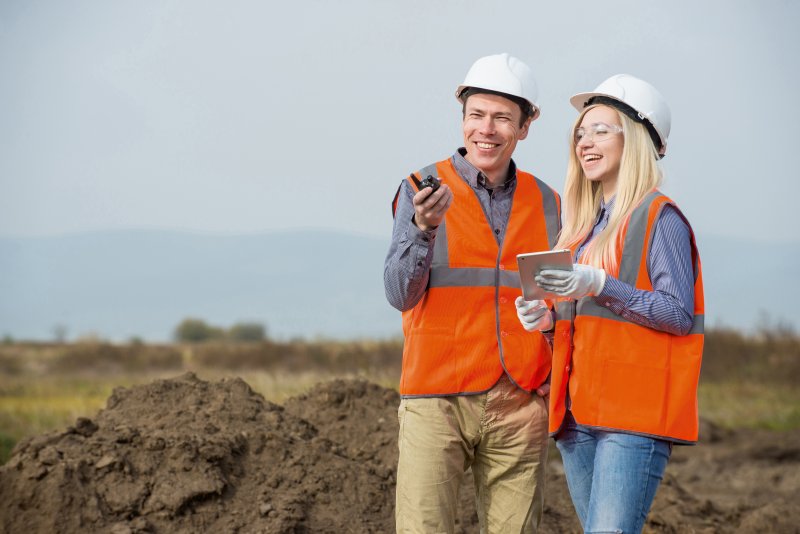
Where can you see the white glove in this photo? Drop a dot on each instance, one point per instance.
(534, 314)
(581, 281)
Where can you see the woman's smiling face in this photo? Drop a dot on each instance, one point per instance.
(600, 159)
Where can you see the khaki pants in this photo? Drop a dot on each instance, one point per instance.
(501, 434)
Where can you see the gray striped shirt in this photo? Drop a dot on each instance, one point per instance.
(408, 263)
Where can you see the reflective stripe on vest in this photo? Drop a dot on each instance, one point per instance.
(624, 376)
(464, 333)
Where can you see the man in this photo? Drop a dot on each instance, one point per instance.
(473, 380)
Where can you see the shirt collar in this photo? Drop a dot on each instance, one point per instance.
(475, 177)
(605, 210)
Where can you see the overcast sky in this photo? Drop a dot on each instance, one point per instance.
(253, 116)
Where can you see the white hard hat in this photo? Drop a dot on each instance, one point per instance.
(646, 102)
(505, 74)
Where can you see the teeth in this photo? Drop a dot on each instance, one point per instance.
(486, 145)
(591, 157)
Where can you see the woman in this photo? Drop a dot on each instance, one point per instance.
(629, 324)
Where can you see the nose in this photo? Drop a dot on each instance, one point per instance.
(586, 140)
(487, 125)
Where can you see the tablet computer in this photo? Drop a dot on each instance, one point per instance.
(530, 264)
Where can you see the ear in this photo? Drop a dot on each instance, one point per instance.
(523, 132)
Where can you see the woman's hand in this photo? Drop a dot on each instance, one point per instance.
(581, 281)
(534, 314)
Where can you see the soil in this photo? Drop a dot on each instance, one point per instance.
(186, 455)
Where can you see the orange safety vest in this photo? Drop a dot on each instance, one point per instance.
(621, 375)
(464, 332)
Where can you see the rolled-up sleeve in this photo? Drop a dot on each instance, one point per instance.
(408, 262)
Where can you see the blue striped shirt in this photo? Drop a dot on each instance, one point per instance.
(670, 306)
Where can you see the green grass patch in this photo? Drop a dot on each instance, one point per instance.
(6, 446)
(750, 405)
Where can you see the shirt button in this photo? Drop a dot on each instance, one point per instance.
(502, 267)
(504, 333)
(567, 368)
(419, 264)
(503, 300)
(497, 231)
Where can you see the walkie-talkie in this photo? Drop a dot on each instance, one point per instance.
(431, 182)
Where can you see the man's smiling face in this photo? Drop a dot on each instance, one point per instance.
(491, 130)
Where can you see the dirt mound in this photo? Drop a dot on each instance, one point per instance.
(358, 416)
(185, 455)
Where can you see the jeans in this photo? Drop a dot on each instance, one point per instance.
(612, 476)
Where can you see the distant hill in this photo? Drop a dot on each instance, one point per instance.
(300, 283)
(143, 283)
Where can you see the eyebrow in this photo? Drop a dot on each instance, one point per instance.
(484, 112)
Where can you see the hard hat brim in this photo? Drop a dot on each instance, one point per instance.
(580, 100)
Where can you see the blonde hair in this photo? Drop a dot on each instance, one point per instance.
(639, 174)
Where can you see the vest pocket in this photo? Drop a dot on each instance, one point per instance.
(428, 362)
(632, 396)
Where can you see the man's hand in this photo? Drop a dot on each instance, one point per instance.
(429, 208)
(544, 389)
(581, 281)
(534, 314)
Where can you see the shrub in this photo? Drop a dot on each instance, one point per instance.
(247, 332)
(237, 356)
(192, 330)
(108, 358)
(770, 356)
